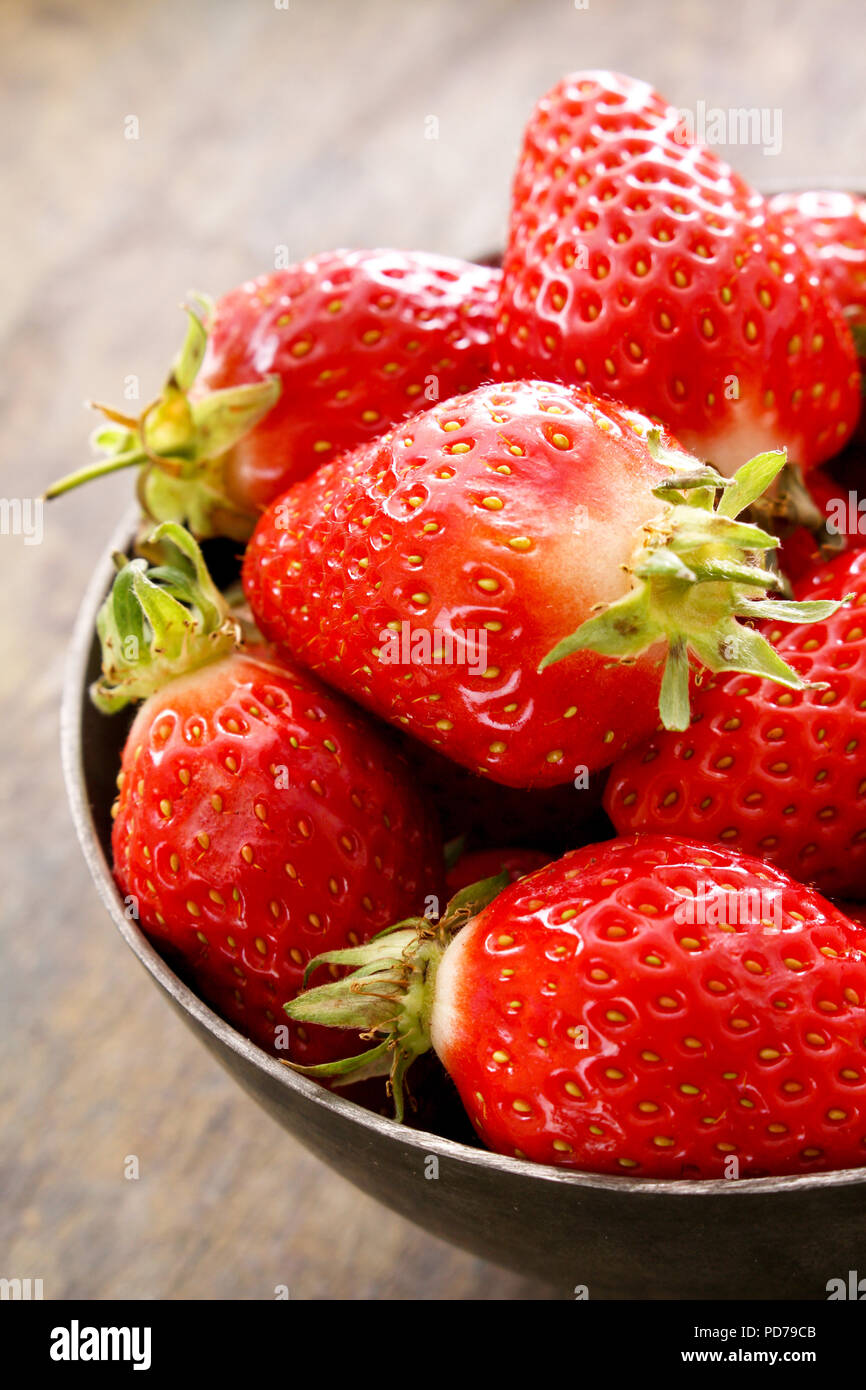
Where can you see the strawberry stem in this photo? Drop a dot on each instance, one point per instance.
(697, 574)
(98, 468)
(180, 444)
(160, 621)
(390, 991)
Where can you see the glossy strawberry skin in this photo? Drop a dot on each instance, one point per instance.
(487, 863)
(242, 878)
(832, 227)
(644, 267)
(472, 518)
(703, 1043)
(357, 339)
(771, 772)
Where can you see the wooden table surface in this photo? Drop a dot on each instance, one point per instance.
(258, 127)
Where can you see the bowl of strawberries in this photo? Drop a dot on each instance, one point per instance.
(467, 731)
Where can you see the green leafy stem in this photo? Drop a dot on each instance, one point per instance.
(180, 442)
(160, 621)
(699, 582)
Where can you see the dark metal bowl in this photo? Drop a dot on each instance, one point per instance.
(621, 1237)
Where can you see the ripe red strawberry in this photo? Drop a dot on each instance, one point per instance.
(771, 772)
(487, 863)
(259, 818)
(489, 532)
(649, 1006)
(832, 227)
(639, 263)
(300, 365)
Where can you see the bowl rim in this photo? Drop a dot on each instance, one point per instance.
(425, 1142)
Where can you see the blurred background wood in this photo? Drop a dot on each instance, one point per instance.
(258, 127)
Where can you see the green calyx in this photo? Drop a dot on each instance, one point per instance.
(390, 992)
(179, 444)
(159, 621)
(699, 579)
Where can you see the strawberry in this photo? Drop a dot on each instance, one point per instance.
(489, 532)
(258, 817)
(639, 263)
(770, 772)
(487, 863)
(293, 368)
(832, 228)
(649, 1006)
